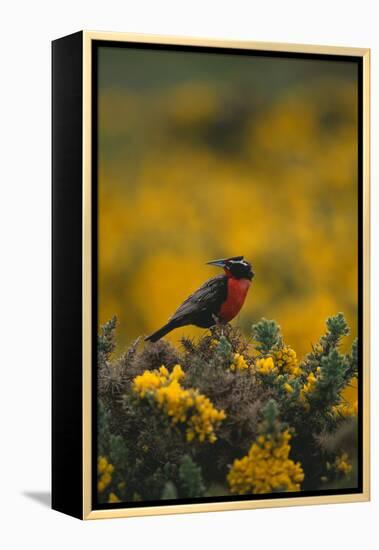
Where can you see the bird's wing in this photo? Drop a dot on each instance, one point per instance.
(209, 296)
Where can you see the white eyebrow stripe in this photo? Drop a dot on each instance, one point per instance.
(242, 262)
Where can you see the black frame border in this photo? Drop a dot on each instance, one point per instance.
(67, 257)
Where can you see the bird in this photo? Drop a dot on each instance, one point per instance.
(217, 301)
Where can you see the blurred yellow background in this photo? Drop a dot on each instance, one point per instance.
(205, 156)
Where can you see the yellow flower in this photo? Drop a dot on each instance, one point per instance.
(104, 473)
(309, 386)
(102, 464)
(266, 468)
(201, 423)
(346, 410)
(342, 464)
(177, 373)
(152, 380)
(174, 400)
(163, 371)
(239, 363)
(288, 388)
(113, 498)
(266, 365)
(106, 478)
(183, 406)
(286, 361)
(148, 381)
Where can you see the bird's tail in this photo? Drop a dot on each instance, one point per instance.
(161, 332)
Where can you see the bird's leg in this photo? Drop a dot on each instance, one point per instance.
(218, 323)
(216, 319)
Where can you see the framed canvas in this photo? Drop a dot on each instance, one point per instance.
(210, 275)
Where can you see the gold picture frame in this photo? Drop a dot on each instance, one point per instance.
(83, 506)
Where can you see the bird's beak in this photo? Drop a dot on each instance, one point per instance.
(218, 263)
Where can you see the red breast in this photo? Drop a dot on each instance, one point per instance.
(237, 291)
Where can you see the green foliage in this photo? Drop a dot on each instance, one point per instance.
(224, 348)
(106, 343)
(270, 413)
(190, 478)
(337, 328)
(169, 491)
(153, 459)
(103, 432)
(267, 335)
(352, 359)
(332, 369)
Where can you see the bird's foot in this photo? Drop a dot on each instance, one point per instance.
(216, 319)
(219, 324)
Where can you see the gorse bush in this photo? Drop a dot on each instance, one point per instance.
(184, 406)
(224, 415)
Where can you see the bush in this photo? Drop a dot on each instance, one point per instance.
(225, 414)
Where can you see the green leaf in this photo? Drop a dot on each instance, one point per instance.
(267, 335)
(190, 476)
(169, 491)
(337, 329)
(105, 342)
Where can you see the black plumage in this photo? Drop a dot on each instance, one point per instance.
(200, 308)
